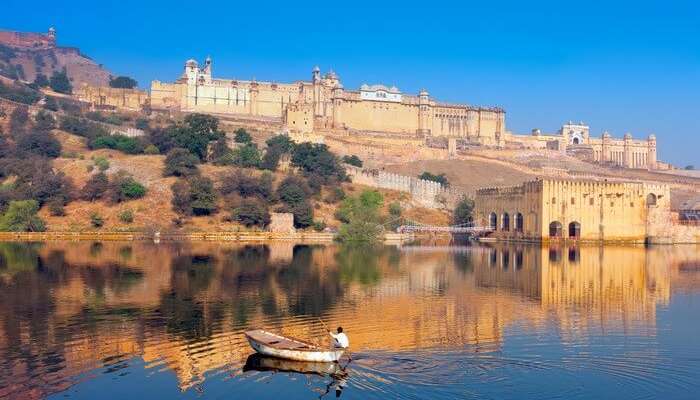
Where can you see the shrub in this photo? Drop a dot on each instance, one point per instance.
(41, 80)
(96, 220)
(82, 127)
(463, 212)
(282, 143)
(126, 216)
(180, 162)
(56, 208)
(101, 163)
(242, 136)
(124, 188)
(303, 214)
(60, 83)
(337, 194)
(122, 82)
(293, 190)
(353, 160)
(271, 159)
(395, 209)
(44, 121)
(19, 118)
(19, 93)
(194, 196)
(319, 226)
(251, 213)
(21, 216)
(440, 178)
(40, 143)
(247, 185)
(361, 217)
(95, 187)
(316, 159)
(50, 104)
(36, 179)
(122, 143)
(141, 123)
(151, 149)
(219, 151)
(247, 156)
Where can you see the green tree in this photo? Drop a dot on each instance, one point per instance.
(21, 216)
(60, 83)
(95, 187)
(251, 213)
(362, 218)
(124, 187)
(353, 160)
(204, 125)
(41, 80)
(247, 156)
(242, 136)
(40, 143)
(282, 142)
(440, 178)
(219, 152)
(51, 104)
(122, 82)
(316, 159)
(180, 162)
(463, 212)
(194, 196)
(44, 121)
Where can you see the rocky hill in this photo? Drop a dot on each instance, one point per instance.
(24, 55)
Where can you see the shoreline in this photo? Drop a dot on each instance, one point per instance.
(302, 237)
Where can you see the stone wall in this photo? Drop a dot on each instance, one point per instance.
(426, 193)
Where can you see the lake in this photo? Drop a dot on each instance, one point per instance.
(118, 320)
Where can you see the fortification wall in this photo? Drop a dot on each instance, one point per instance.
(426, 193)
(103, 96)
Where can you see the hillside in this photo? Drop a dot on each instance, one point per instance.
(24, 55)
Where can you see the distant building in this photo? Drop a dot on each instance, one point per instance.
(552, 209)
(29, 40)
(322, 103)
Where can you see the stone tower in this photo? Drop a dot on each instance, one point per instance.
(627, 153)
(651, 154)
(52, 35)
(423, 113)
(337, 103)
(316, 82)
(605, 148)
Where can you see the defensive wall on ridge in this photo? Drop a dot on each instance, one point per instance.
(424, 192)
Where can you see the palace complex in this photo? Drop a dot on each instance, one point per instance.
(323, 105)
(559, 209)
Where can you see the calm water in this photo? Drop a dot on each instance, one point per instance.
(136, 320)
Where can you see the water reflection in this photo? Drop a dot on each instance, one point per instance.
(70, 308)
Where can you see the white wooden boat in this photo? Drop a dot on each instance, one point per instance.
(274, 345)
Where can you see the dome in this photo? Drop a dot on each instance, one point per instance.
(652, 137)
(628, 136)
(606, 134)
(316, 69)
(191, 63)
(422, 92)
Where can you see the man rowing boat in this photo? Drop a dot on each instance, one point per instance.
(340, 340)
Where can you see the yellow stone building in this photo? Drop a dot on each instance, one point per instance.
(323, 104)
(553, 209)
(575, 138)
(104, 97)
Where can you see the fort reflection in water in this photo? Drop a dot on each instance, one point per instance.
(69, 308)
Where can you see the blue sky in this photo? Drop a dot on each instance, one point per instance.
(620, 66)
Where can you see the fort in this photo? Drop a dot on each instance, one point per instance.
(323, 105)
(29, 40)
(586, 210)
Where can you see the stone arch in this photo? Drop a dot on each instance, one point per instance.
(574, 230)
(505, 222)
(555, 229)
(493, 221)
(519, 222)
(575, 140)
(651, 200)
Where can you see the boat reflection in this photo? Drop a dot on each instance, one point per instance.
(336, 371)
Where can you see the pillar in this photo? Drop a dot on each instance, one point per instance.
(627, 153)
(651, 152)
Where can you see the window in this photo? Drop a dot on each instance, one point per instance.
(573, 201)
(591, 201)
(554, 200)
